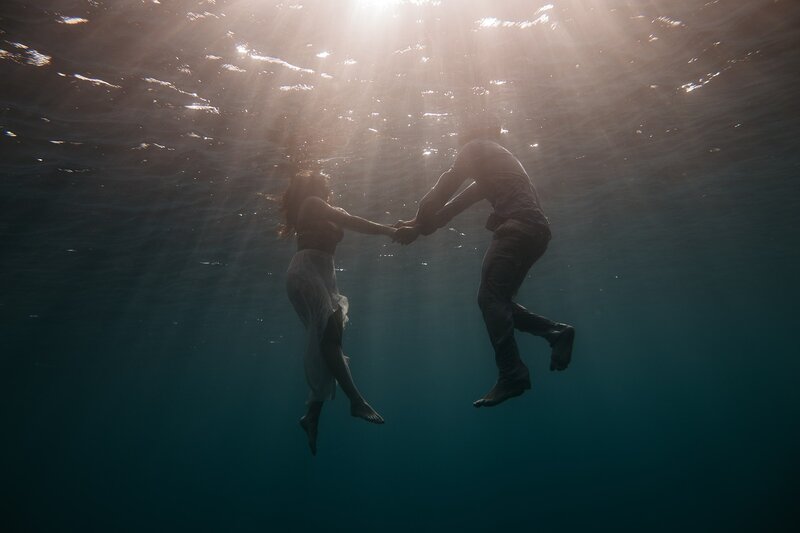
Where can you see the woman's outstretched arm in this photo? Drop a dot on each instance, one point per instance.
(347, 221)
(361, 225)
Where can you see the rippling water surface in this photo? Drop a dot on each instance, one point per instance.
(151, 363)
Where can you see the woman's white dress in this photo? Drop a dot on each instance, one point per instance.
(311, 285)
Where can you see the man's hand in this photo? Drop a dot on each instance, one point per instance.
(422, 230)
(405, 223)
(405, 234)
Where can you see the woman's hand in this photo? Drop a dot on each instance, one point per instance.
(405, 234)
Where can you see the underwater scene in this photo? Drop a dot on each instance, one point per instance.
(152, 363)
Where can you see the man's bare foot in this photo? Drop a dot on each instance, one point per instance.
(362, 409)
(309, 425)
(562, 347)
(502, 391)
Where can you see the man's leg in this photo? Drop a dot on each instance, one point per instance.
(531, 323)
(504, 267)
(560, 336)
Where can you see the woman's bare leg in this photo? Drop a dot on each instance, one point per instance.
(334, 357)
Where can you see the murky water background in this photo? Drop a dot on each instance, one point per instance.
(151, 363)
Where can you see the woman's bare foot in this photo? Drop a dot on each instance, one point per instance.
(361, 409)
(562, 347)
(309, 423)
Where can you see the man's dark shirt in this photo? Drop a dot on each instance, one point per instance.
(502, 180)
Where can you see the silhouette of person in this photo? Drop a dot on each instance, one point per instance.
(521, 234)
(311, 285)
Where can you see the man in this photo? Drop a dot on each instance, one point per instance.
(521, 234)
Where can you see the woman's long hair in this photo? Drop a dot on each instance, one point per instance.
(302, 185)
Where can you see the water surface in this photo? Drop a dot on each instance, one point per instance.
(152, 363)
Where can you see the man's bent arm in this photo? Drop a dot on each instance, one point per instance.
(465, 198)
(431, 203)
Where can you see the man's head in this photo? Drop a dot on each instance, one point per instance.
(479, 125)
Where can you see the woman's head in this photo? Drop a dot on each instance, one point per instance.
(302, 185)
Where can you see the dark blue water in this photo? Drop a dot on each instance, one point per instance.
(152, 365)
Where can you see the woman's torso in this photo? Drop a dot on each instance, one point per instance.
(317, 233)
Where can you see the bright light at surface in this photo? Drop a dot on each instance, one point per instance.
(385, 3)
(378, 3)
(414, 65)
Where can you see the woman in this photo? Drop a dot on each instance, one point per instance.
(311, 284)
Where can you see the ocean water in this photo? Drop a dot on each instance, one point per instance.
(151, 363)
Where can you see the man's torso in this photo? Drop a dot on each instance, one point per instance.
(503, 181)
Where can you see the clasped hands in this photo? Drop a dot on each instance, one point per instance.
(407, 231)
